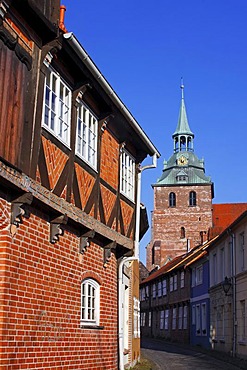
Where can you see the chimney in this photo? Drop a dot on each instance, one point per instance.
(61, 20)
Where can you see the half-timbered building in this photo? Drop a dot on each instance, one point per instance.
(71, 217)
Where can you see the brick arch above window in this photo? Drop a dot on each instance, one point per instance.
(91, 275)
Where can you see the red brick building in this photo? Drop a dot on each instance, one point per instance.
(183, 196)
(70, 155)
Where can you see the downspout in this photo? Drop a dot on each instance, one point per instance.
(129, 259)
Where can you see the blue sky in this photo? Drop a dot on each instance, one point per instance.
(143, 48)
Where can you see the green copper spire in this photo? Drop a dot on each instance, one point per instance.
(183, 167)
(183, 136)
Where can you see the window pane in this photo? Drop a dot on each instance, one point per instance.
(87, 128)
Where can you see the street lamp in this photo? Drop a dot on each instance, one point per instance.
(226, 285)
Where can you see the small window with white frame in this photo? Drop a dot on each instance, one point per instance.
(87, 134)
(57, 106)
(90, 302)
(127, 174)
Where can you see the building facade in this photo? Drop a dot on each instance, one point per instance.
(228, 294)
(182, 213)
(70, 169)
(164, 298)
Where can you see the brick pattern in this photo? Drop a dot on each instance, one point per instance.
(109, 159)
(167, 221)
(85, 182)
(108, 199)
(41, 294)
(127, 212)
(55, 161)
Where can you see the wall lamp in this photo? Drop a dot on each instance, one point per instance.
(226, 285)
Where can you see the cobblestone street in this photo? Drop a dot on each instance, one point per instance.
(169, 356)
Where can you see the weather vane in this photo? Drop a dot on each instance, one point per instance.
(182, 87)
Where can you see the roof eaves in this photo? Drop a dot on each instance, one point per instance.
(80, 51)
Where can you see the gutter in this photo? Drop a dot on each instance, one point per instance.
(82, 54)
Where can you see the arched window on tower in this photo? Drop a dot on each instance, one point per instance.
(182, 233)
(182, 143)
(192, 198)
(172, 200)
(189, 148)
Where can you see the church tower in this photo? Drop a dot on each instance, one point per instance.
(183, 196)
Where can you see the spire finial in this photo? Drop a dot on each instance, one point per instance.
(182, 87)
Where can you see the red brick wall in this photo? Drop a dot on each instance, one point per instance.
(167, 221)
(41, 301)
(109, 159)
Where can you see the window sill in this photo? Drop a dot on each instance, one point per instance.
(97, 327)
(242, 342)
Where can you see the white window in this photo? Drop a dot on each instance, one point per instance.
(87, 133)
(175, 282)
(174, 318)
(204, 319)
(182, 279)
(154, 290)
(199, 271)
(149, 319)
(90, 302)
(127, 174)
(198, 320)
(180, 317)
(185, 318)
(166, 326)
(159, 289)
(171, 284)
(162, 315)
(136, 318)
(143, 294)
(147, 291)
(164, 289)
(143, 318)
(57, 106)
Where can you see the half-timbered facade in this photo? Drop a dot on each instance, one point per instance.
(70, 171)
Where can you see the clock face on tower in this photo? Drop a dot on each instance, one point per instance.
(182, 160)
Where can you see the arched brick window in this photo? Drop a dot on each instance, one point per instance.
(182, 233)
(172, 200)
(192, 198)
(90, 302)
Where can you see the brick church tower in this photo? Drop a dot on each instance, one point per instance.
(183, 196)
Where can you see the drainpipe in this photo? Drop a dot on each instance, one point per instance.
(233, 272)
(129, 259)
